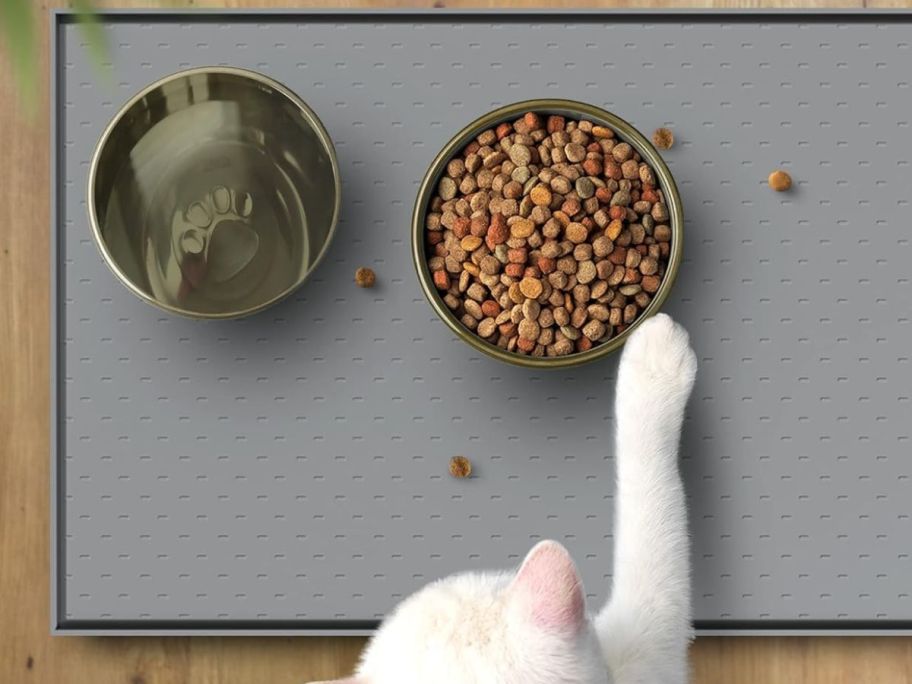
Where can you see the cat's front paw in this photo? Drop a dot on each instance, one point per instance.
(658, 361)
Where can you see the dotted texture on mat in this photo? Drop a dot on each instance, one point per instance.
(293, 466)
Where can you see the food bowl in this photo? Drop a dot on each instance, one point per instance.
(214, 193)
(572, 110)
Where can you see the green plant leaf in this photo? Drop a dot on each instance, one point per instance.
(18, 33)
(92, 30)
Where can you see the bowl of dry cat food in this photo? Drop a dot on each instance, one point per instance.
(545, 231)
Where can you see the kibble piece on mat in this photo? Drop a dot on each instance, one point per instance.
(780, 181)
(460, 467)
(663, 138)
(365, 277)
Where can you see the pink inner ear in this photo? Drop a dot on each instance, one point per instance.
(549, 587)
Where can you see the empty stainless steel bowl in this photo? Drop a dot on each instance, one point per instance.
(214, 193)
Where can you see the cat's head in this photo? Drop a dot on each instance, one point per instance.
(530, 627)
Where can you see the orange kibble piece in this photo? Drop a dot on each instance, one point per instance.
(779, 180)
(514, 270)
(530, 287)
(546, 265)
(614, 229)
(490, 308)
(524, 344)
(540, 195)
(441, 280)
(522, 228)
(532, 120)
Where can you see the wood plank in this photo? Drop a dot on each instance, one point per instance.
(29, 654)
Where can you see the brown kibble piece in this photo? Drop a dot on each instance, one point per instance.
(365, 277)
(649, 265)
(576, 232)
(663, 138)
(575, 152)
(650, 283)
(662, 233)
(460, 467)
(779, 180)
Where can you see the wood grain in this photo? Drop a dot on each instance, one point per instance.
(29, 654)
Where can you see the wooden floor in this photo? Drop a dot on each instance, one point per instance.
(29, 654)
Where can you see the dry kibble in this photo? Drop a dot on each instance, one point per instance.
(779, 181)
(561, 185)
(486, 327)
(585, 188)
(541, 195)
(529, 329)
(650, 283)
(447, 188)
(586, 272)
(662, 233)
(522, 228)
(365, 277)
(470, 243)
(547, 236)
(441, 280)
(622, 152)
(649, 265)
(594, 330)
(575, 152)
(663, 138)
(460, 467)
(531, 287)
(576, 232)
(630, 169)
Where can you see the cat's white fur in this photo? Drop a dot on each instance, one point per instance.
(530, 626)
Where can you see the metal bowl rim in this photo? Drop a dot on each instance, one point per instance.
(313, 121)
(628, 133)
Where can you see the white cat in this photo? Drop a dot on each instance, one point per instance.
(531, 626)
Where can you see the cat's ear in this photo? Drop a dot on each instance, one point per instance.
(547, 589)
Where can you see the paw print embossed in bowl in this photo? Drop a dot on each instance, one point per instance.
(214, 237)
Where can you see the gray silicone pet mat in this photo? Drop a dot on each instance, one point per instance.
(289, 471)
